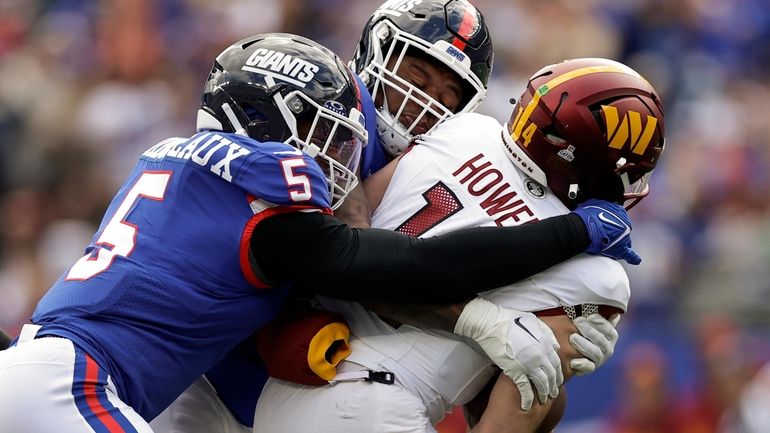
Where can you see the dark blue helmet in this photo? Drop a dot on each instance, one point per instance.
(282, 87)
(452, 32)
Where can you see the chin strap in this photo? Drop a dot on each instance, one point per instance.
(623, 176)
(288, 116)
(237, 127)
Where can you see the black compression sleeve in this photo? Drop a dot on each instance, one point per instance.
(5, 340)
(320, 254)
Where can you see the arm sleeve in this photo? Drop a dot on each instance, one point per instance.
(319, 254)
(5, 340)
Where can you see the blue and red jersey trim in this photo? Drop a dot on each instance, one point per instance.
(89, 389)
(248, 272)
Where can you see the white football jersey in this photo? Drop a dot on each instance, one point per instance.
(460, 176)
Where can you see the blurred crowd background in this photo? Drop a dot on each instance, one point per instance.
(85, 86)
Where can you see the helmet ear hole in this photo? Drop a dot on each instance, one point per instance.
(551, 134)
(253, 113)
(596, 113)
(605, 186)
(304, 122)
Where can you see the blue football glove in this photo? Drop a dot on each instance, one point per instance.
(609, 228)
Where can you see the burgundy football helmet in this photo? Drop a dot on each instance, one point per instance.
(588, 128)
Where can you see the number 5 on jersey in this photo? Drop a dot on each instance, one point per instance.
(299, 184)
(119, 236)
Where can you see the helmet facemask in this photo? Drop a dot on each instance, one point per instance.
(633, 192)
(390, 48)
(327, 135)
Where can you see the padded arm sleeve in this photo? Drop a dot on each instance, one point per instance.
(319, 254)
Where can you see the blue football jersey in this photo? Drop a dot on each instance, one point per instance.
(165, 288)
(373, 156)
(238, 380)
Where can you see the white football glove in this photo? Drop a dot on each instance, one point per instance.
(519, 343)
(596, 342)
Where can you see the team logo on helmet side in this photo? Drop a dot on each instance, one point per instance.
(629, 129)
(454, 52)
(336, 107)
(396, 7)
(281, 66)
(535, 189)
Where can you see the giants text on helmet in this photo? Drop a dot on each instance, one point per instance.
(285, 67)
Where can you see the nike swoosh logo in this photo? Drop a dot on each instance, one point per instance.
(517, 321)
(626, 228)
(609, 221)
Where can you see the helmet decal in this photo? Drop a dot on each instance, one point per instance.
(396, 7)
(619, 132)
(567, 154)
(469, 25)
(281, 66)
(455, 52)
(336, 107)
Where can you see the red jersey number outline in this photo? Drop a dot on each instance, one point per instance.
(299, 184)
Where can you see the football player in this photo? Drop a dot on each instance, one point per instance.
(423, 62)
(208, 235)
(584, 129)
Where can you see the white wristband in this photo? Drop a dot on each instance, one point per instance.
(476, 318)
